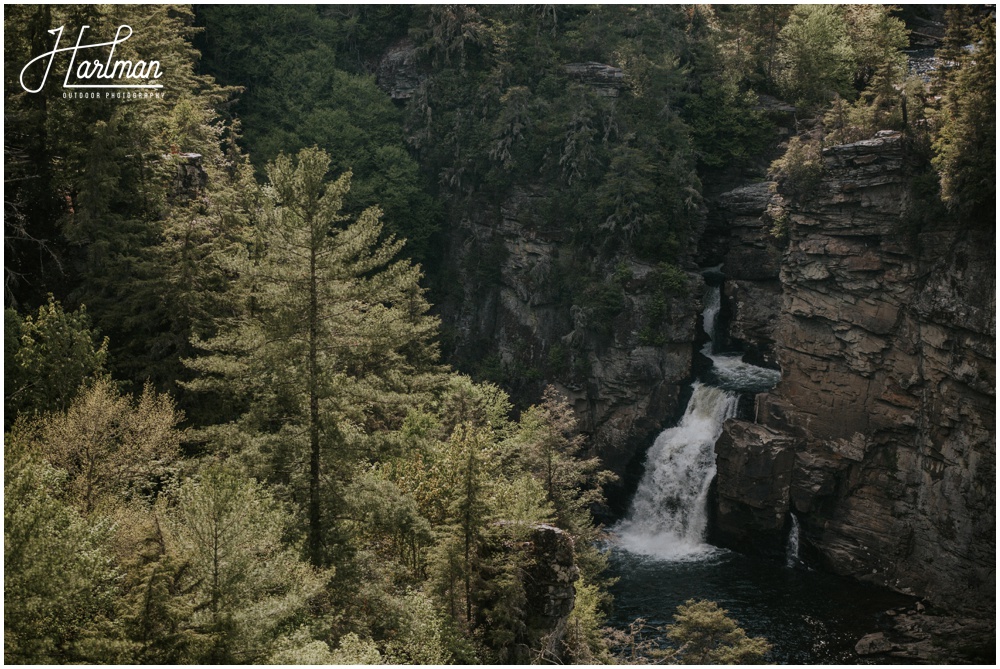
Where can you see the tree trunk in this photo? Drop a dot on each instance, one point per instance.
(315, 535)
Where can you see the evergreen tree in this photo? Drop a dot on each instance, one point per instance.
(131, 234)
(551, 448)
(58, 584)
(704, 634)
(965, 143)
(296, 93)
(750, 42)
(48, 357)
(249, 588)
(334, 341)
(816, 56)
(112, 448)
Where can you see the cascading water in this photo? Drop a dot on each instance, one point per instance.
(792, 548)
(668, 518)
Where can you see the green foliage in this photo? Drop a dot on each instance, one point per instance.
(499, 110)
(58, 584)
(965, 143)
(158, 610)
(248, 586)
(549, 447)
(781, 226)
(816, 55)
(335, 338)
(112, 448)
(127, 237)
(800, 170)
(671, 279)
(704, 634)
(297, 95)
(726, 127)
(422, 636)
(48, 357)
(317, 381)
(750, 42)
(586, 641)
(602, 302)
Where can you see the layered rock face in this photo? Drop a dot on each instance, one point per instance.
(881, 434)
(752, 264)
(622, 363)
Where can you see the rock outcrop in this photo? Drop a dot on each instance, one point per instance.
(920, 636)
(606, 80)
(754, 470)
(548, 573)
(398, 73)
(190, 177)
(886, 342)
(752, 264)
(621, 356)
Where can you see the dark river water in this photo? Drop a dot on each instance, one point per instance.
(809, 617)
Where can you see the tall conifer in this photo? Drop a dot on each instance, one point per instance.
(334, 340)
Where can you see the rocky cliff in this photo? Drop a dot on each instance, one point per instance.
(620, 349)
(881, 434)
(524, 306)
(548, 573)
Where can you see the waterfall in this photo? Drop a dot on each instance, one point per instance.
(792, 548)
(728, 369)
(710, 316)
(669, 516)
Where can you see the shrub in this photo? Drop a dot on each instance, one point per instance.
(800, 170)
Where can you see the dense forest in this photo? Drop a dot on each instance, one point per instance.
(242, 421)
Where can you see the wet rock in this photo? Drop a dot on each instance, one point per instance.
(754, 467)
(753, 308)
(923, 638)
(873, 644)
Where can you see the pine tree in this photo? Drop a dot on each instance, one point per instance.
(334, 342)
(552, 450)
(58, 582)
(815, 54)
(965, 143)
(704, 634)
(112, 447)
(249, 587)
(48, 357)
(96, 189)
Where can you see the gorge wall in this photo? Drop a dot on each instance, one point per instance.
(621, 350)
(880, 436)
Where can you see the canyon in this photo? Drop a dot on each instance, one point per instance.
(880, 435)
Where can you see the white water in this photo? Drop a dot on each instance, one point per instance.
(669, 514)
(792, 549)
(729, 370)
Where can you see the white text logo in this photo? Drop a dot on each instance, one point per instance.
(106, 74)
